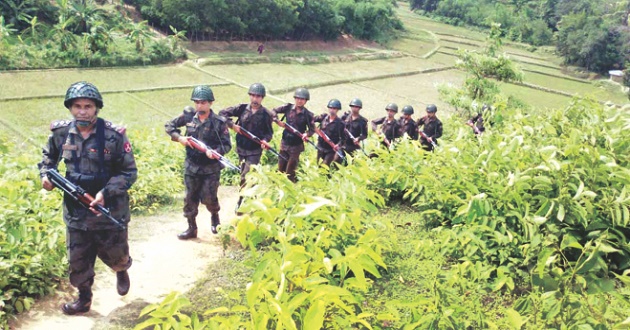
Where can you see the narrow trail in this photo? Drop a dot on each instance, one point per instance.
(161, 264)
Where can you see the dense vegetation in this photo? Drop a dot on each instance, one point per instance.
(532, 214)
(586, 33)
(70, 33)
(264, 19)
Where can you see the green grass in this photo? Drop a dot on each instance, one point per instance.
(272, 75)
(600, 93)
(535, 98)
(363, 69)
(412, 46)
(32, 83)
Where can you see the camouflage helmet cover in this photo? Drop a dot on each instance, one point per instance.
(85, 90)
(202, 93)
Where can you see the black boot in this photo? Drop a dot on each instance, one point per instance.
(81, 305)
(122, 282)
(215, 223)
(191, 232)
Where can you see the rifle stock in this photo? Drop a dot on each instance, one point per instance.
(353, 138)
(329, 141)
(256, 139)
(294, 131)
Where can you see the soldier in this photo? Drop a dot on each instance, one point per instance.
(476, 122)
(356, 124)
(432, 128)
(407, 124)
(390, 126)
(332, 126)
(291, 146)
(255, 118)
(202, 171)
(99, 159)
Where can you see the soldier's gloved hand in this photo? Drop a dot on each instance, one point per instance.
(98, 199)
(184, 141)
(46, 184)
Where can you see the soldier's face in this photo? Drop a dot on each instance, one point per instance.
(83, 110)
(299, 102)
(431, 114)
(407, 117)
(255, 100)
(333, 111)
(203, 106)
(355, 110)
(391, 113)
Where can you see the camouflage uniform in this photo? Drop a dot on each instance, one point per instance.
(291, 145)
(359, 129)
(111, 171)
(432, 127)
(258, 123)
(201, 174)
(409, 127)
(334, 130)
(391, 129)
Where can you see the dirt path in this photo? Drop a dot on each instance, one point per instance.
(161, 264)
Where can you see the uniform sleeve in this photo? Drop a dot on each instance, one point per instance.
(438, 131)
(377, 122)
(124, 171)
(342, 134)
(345, 116)
(319, 119)
(420, 122)
(229, 113)
(172, 126)
(310, 125)
(268, 129)
(364, 130)
(50, 155)
(281, 109)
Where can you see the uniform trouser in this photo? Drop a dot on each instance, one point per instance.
(84, 246)
(246, 162)
(201, 189)
(327, 157)
(289, 166)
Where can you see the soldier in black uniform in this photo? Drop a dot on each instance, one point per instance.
(476, 122)
(258, 120)
(99, 159)
(332, 125)
(407, 124)
(390, 126)
(356, 124)
(202, 171)
(291, 146)
(432, 128)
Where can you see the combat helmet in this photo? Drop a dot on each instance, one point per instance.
(83, 89)
(302, 93)
(202, 93)
(407, 110)
(356, 102)
(257, 89)
(334, 103)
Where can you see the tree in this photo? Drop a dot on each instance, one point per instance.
(61, 36)
(138, 33)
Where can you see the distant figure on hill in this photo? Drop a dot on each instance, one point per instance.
(261, 48)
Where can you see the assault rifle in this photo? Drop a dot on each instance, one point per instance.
(204, 148)
(294, 131)
(242, 131)
(330, 143)
(353, 138)
(80, 195)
